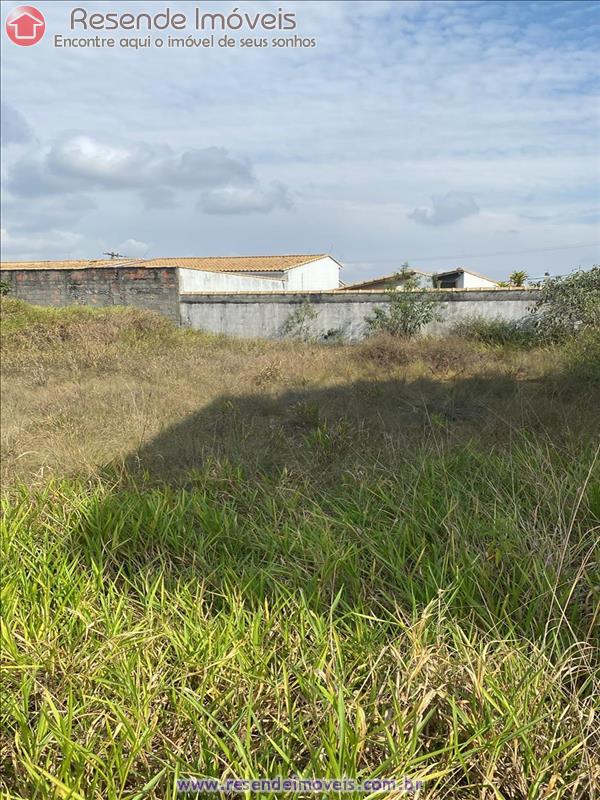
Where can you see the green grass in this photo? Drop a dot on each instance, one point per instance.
(441, 625)
(427, 609)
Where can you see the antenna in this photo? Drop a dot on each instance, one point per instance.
(114, 255)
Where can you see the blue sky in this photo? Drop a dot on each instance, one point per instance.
(440, 133)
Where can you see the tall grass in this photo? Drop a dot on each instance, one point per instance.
(499, 332)
(385, 563)
(440, 624)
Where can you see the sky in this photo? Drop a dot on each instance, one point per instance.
(441, 134)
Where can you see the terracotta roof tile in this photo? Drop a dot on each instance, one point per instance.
(209, 264)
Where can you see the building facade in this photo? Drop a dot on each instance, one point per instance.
(158, 284)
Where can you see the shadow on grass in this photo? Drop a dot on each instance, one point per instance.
(326, 431)
(385, 495)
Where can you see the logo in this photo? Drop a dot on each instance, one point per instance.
(25, 25)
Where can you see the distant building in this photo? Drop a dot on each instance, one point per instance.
(461, 278)
(458, 278)
(395, 280)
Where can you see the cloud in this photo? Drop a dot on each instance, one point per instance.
(157, 198)
(14, 128)
(83, 162)
(48, 212)
(133, 247)
(227, 184)
(446, 209)
(254, 199)
(57, 243)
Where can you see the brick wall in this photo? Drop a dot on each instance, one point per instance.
(153, 289)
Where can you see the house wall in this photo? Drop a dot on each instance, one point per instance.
(266, 315)
(196, 280)
(155, 289)
(468, 281)
(320, 274)
(324, 273)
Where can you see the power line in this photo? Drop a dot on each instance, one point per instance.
(478, 255)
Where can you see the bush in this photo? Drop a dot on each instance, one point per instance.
(406, 313)
(299, 324)
(568, 305)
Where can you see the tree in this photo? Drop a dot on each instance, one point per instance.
(568, 304)
(518, 277)
(406, 312)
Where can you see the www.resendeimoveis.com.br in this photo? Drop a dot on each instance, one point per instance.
(295, 784)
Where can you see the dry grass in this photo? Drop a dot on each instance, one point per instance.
(225, 558)
(85, 388)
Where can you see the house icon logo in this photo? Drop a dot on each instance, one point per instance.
(25, 25)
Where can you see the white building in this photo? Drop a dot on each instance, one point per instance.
(287, 273)
(461, 278)
(395, 280)
(458, 278)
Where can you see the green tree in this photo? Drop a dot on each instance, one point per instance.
(568, 304)
(407, 310)
(518, 277)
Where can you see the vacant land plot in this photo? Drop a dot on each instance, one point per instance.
(252, 559)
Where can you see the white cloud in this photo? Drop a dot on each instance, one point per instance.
(446, 209)
(51, 243)
(227, 184)
(133, 248)
(85, 162)
(247, 200)
(14, 126)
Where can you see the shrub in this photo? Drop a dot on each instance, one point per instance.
(299, 324)
(406, 313)
(567, 305)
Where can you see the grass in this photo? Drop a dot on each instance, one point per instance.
(498, 332)
(250, 559)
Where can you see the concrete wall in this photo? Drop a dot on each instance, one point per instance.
(265, 316)
(155, 289)
(324, 273)
(197, 280)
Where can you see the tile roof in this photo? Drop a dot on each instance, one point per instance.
(103, 262)
(209, 264)
(385, 278)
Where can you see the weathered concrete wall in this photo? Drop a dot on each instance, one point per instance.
(153, 289)
(266, 315)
